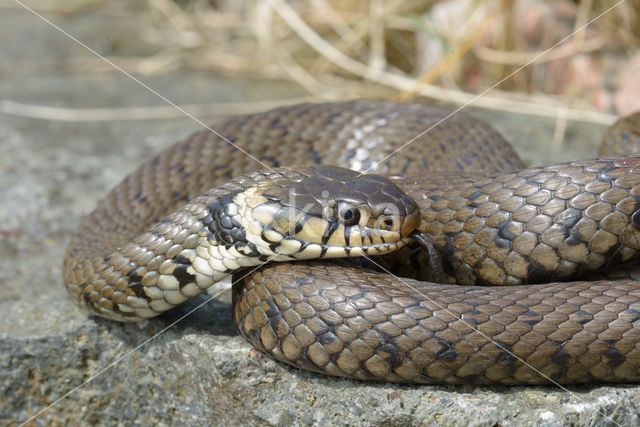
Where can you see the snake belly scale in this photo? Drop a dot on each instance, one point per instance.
(555, 247)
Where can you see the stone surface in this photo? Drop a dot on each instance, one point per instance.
(198, 371)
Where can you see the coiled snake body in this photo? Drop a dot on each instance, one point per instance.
(188, 217)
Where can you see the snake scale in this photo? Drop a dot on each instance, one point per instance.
(568, 235)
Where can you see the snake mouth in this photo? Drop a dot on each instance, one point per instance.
(336, 241)
(315, 250)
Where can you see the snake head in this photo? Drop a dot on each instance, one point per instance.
(327, 212)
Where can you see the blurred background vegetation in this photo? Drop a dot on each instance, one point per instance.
(537, 57)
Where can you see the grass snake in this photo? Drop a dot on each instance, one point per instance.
(567, 234)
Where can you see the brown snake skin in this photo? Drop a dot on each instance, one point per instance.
(554, 224)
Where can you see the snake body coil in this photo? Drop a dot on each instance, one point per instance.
(181, 222)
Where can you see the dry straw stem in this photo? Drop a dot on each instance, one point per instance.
(449, 61)
(571, 48)
(578, 41)
(355, 38)
(338, 50)
(403, 82)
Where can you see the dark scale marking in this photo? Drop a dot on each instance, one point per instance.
(323, 251)
(328, 231)
(636, 207)
(134, 277)
(274, 246)
(475, 195)
(299, 224)
(616, 258)
(392, 354)
(470, 320)
(274, 317)
(236, 235)
(447, 261)
(569, 217)
(207, 220)
(327, 338)
(447, 353)
(347, 237)
(537, 179)
(183, 276)
(116, 309)
(502, 243)
(222, 226)
(333, 357)
(304, 246)
(630, 315)
(573, 239)
(561, 358)
(251, 250)
(299, 281)
(132, 266)
(613, 256)
(504, 230)
(271, 197)
(614, 357)
(182, 260)
(635, 218)
(506, 354)
(536, 273)
(138, 291)
(226, 222)
(584, 317)
(606, 174)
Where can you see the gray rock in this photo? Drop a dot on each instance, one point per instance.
(67, 368)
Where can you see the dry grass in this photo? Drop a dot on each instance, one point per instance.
(393, 48)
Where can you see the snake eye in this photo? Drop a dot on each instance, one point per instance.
(347, 214)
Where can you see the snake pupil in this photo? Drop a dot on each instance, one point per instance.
(348, 215)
